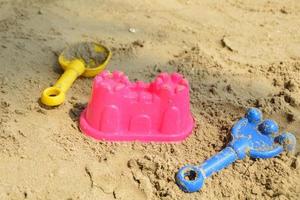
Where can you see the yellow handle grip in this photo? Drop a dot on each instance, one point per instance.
(55, 95)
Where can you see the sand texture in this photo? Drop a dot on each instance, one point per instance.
(86, 52)
(235, 54)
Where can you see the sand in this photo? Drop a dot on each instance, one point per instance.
(86, 52)
(235, 54)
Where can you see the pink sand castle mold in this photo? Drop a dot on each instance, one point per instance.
(120, 110)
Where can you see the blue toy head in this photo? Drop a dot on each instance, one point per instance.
(260, 134)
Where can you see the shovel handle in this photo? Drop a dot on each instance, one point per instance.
(55, 95)
(191, 178)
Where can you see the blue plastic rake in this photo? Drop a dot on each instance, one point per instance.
(250, 137)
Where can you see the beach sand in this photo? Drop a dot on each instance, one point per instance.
(235, 53)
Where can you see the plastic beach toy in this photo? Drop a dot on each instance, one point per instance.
(86, 59)
(250, 137)
(120, 110)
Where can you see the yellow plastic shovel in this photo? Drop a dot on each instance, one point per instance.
(86, 59)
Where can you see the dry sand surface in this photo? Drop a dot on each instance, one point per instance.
(235, 54)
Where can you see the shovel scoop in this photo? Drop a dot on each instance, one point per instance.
(251, 136)
(83, 59)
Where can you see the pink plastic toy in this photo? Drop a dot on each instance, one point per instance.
(120, 110)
